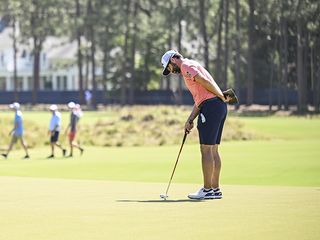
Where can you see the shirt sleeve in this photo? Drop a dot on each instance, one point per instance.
(190, 71)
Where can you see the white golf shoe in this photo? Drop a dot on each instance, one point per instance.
(206, 194)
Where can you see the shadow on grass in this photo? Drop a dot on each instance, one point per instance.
(160, 201)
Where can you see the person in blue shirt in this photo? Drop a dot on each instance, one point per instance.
(17, 131)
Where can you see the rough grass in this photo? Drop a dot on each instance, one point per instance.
(155, 126)
(121, 126)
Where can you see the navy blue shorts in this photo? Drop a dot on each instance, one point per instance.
(213, 113)
(54, 138)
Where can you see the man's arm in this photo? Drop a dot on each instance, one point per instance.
(14, 128)
(66, 131)
(211, 86)
(189, 124)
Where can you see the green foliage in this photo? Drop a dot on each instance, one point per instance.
(153, 28)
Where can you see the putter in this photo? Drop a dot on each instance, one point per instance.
(165, 196)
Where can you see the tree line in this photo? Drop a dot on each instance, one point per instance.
(245, 44)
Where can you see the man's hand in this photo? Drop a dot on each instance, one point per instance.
(188, 126)
(230, 96)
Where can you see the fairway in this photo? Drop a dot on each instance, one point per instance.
(159, 120)
(271, 190)
(277, 163)
(55, 209)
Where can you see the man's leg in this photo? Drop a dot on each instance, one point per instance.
(13, 141)
(217, 167)
(71, 147)
(24, 145)
(207, 169)
(73, 143)
(52, 148)
(76, 145)
(207, 164)
(59, 146)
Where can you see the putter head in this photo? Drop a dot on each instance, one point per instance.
(164, 196)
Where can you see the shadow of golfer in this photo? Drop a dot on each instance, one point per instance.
(161, 201)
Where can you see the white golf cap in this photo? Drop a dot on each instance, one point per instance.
(165, 61)
(53, 107)
(71, 105)
(14, 105)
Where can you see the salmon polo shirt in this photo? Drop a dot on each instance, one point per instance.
(189, 69)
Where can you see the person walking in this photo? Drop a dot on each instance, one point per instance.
(75, 114)
(211, 109)
(88, 98)
(17, 131)
(54, 130)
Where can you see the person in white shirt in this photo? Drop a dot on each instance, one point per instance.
(54, 130)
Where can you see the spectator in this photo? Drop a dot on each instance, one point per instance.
(88, 97)
(54, 130)
(75, 114)
(17, 131)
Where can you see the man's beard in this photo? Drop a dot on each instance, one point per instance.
(175, 69)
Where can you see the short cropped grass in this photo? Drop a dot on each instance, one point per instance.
(271, 186)
(285, 128)
(279, 162)
(55, 209)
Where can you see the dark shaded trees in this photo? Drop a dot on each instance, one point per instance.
(241, 42)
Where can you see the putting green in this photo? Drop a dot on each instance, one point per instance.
(277, 163)
(52, 209)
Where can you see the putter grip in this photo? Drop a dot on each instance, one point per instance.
(231, 93)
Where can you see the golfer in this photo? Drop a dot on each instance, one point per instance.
(211, 108)
(17, 131)
(54, 130)
(75, 114)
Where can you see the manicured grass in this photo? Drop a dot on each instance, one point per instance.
(288, 157)
(55, 209)
(279, 162)
(285, 128)
(270, 185)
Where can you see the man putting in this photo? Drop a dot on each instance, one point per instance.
(211, 108)
(54, 130)
(17, 131)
